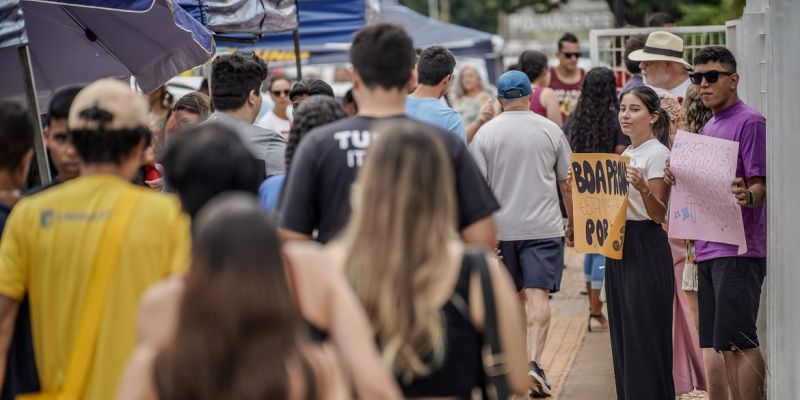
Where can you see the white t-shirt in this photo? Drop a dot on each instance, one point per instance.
(651, 158)
(523, 156)
(677, 91)
(271, 121)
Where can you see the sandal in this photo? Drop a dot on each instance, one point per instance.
(597, 323)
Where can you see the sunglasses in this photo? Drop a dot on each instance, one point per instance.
(572, 55)
(710, 76)
(279, 92)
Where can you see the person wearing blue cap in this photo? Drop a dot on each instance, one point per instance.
(522, 155)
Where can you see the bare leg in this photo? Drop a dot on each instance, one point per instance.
(691, 299)
(537, 307)
(596, 308)
(715, 374)
(745, 370)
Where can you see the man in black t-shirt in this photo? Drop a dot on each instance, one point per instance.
(316, 195)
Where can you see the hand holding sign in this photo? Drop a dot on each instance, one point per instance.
(599, 201)
(701, 206)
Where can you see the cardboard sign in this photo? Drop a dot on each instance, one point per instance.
(599, 202)
(701, 203)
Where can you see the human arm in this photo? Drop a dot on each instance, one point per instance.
(137, 381)
(327, 301)
(486, 114)
(757, 185)
(669, 179)
(481, 233)
(509, 320)
(549, 100)
(752, 151)
(655, 194)
(8, 314)
(566, 194)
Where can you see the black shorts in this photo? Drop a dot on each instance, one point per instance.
(536, 263)
(728, 296)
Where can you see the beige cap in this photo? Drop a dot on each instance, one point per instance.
(108, 103)
(661, 46)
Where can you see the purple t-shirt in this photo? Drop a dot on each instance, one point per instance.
(747, 126)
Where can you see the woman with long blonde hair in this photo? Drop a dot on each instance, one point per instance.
(414, 276)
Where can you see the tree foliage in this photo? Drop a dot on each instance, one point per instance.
(482, 14)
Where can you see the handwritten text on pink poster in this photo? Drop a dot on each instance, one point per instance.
(701, 204)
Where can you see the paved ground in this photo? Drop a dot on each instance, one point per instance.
(578, 363)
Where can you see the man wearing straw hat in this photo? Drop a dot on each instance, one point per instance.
(662, 64)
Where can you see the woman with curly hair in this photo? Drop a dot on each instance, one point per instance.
(594, 128)
(315, 111)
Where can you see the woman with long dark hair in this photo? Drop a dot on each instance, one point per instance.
(416, 280)
(239, 331)
(640, 287)
(594, 128)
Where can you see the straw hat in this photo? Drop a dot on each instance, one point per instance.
(661, 46)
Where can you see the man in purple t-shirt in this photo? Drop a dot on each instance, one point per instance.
(730, 284)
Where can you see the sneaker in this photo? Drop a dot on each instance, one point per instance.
(539, 386)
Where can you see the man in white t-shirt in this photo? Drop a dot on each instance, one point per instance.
(663, 66)
(523, 155)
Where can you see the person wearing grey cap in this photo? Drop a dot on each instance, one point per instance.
(523, 155)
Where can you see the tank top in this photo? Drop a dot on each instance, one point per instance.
(462, 369)
(536, 102)
(567, 93)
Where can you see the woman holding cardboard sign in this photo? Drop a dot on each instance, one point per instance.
(640, 287)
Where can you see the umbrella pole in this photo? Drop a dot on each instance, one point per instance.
(296, 35)
(33, 110)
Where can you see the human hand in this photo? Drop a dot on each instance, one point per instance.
(498, 254)
(487, 112)
(635, 178)
(740, 192)
(156, 184)
(569, 235)
(669, 179)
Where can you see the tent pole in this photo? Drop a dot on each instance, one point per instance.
(296, 35)
(33, 110)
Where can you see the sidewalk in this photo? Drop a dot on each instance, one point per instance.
(578, 363)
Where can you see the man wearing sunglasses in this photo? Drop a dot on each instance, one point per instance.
(567, 78)
(662, 64)
(730, 283)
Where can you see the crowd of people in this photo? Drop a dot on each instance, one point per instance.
(403, 242)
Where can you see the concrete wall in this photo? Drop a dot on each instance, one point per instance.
(783, 141)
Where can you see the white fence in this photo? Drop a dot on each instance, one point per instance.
(608, 45)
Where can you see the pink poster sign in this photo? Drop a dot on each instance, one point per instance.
(701, 203)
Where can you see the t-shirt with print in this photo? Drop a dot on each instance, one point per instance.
(650, 158)
(747, 126)
(435, 112)
(523, 157)
(47, 251)
(316, 194)
(273, 122)
(566, 93)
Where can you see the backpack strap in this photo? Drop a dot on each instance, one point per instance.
(494, 364)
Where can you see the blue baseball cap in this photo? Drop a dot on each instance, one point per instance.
(513, 85)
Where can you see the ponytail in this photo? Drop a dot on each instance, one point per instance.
(661, 128)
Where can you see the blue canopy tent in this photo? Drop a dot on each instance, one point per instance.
(323, 29)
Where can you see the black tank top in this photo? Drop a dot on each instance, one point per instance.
(462, 369)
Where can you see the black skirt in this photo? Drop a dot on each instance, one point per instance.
(639, 291)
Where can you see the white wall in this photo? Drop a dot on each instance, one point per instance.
(783, 143)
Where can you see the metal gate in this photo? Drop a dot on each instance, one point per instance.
(607, 45)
